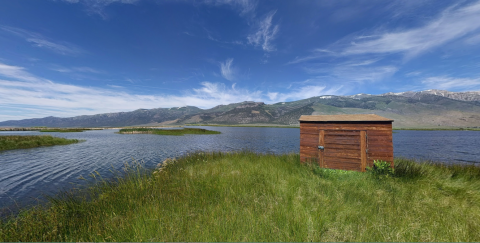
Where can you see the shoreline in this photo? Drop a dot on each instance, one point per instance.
(12, 129)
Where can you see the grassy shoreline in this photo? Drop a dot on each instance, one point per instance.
(23, 142)
(171, 132)
(246, 125)
(63, 130)
(262, 197)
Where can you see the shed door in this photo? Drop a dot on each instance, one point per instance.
(343, 149)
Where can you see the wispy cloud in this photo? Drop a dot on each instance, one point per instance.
(265, 33)
(451, 83)
(76, 69)
(227, 70)
(17, 73)
(455, 22)
(245, 7)
(40, 41)
(352, 71)
(305, 92)
(452, 24)
(315, 54)
(98, 6)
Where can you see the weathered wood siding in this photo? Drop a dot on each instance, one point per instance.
(378, 137)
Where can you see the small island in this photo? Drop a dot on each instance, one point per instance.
(63, 130)
(23, 142)
(173, 132)
(68, 129)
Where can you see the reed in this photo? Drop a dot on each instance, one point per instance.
(260, 197)
(22, 142)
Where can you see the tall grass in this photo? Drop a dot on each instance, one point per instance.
(174, 132)
(22, 142)
(250, 197)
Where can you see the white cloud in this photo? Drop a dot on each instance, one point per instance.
(61, 69)
(58, 48)
(352, 72)
(272, 95)
(97, 6)
(317, 53)
(264, 35)
(413, 74)
(452, 24)
(38, 40)
(450, 83)
(228, 72)
(309, 91)
(245, 7)
(17, 73)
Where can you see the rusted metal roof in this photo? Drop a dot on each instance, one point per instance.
(333, 118)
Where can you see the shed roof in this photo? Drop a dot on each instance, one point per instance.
(343, 118)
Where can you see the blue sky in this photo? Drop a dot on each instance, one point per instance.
(78, 57)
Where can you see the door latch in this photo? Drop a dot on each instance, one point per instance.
(321, 147)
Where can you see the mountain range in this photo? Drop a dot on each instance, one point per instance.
(423, 109)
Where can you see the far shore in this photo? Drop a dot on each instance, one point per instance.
(227, 125)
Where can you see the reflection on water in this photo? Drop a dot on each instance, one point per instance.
(25, 174)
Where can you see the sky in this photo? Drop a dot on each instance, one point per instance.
(67, 58)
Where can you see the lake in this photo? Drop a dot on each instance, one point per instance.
(27, 173)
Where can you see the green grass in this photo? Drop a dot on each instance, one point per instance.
(174, 132)
(250, 197)
(22, 142)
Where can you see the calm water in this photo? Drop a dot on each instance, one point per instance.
(26, 174)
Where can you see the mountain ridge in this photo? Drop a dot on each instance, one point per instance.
(429, 108)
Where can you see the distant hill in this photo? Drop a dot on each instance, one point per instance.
(424, 109)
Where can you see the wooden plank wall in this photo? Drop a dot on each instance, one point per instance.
(379, 139)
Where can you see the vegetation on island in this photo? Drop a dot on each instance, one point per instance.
(261, 197)
(23, 142)
(63, 130)
(174, 132)
(68, 129)
(246, 125)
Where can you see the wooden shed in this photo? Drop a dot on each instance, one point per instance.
(348, 142)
